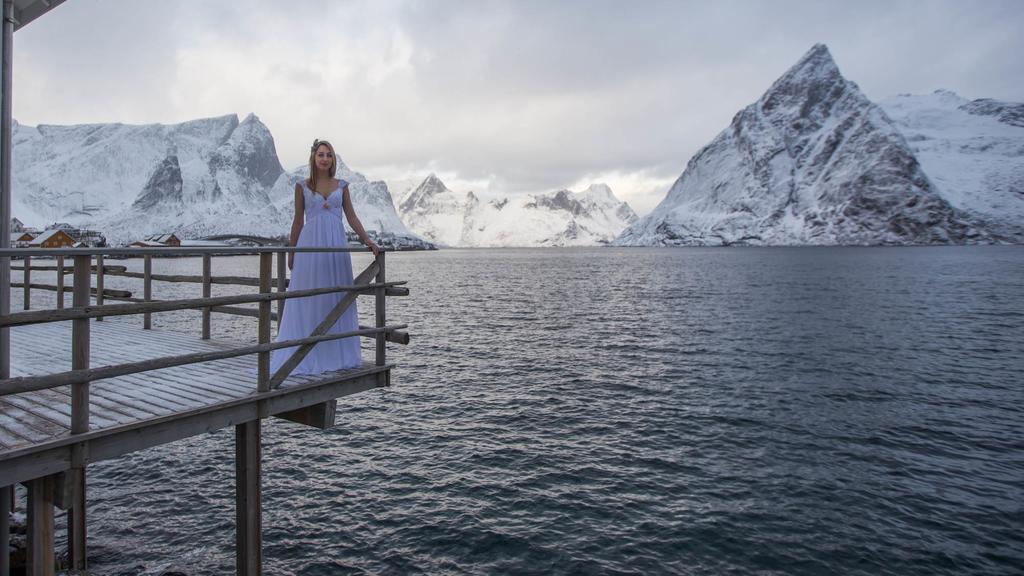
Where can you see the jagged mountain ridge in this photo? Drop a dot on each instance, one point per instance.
(198, 178)
(371, 199)
(972, 152)
(813, 161)
(563, 218)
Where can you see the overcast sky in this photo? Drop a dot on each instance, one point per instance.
(499, 97)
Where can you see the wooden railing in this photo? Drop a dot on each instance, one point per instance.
(89, 261)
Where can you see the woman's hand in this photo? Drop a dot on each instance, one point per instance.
(373, 248)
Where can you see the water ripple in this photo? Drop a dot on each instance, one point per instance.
(605, 411)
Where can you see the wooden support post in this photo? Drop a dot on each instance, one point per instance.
(76, 517)
(27, 275)
(60, 282)
(248, 513)
(80, 347)
(282, 275)
(40, 527)
(207, 265)
(100, 274)
(5, 530)
(380, 305)
(263, 358)
(147, 290)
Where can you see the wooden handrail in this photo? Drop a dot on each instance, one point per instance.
(81, 312)
(173, 251)
(67, 270)
(33, 383)
(108, 292)
(43, 316)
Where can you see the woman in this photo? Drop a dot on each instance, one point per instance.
(319, 201)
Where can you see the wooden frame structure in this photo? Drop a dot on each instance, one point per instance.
(54, 468)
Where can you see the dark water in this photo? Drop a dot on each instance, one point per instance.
(635, 411)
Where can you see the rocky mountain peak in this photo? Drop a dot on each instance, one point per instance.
(813, 161)
(814, 67)
(426, 193)
(600, 193)
(164, 186)
(808, 90)
(249, 149)
(1011, 113)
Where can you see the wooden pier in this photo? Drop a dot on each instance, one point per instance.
(77, 390)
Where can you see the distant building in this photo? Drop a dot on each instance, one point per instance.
(163, 240)
(147, 244)
(21, 239)
(88, 238)
(52, 239)
(17, 225)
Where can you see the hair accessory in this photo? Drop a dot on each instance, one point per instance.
(316, 143)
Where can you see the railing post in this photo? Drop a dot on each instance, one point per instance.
(282, 275)
(263, 358)
(5, 529)
(207, 265)
(60, 282)
(27, 275)
(100, 275)
(80, 347)
(380, 303)
(147, 289)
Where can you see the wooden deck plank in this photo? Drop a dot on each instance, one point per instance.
(178, 386)
(34, 418)
(27, 424)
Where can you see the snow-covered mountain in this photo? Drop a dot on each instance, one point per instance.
(564, 218)
(813, 161)
(372, 202)
(973, 153)
(198, 178)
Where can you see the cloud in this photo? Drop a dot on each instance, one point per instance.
(505, 96)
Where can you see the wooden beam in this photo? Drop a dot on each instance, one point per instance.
(100, 272)
(281, 283)
(6, 493)
(41, 559)
(39, 316)
(54, 456)
(322, 328)
(80, 347)
(163, 251)
(320, 415)
(27, 276)
(263, 326)
(96, 269)
(193, 279)
(379, 305)
(76, 518)
(207, 266)
(248, 512)
(31, 383)
(147, 290)
(109, 293)
(239, 311)
(60, 282)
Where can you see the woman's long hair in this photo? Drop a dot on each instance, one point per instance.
(311, 181)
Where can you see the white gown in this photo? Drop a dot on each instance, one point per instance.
(324, 227)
